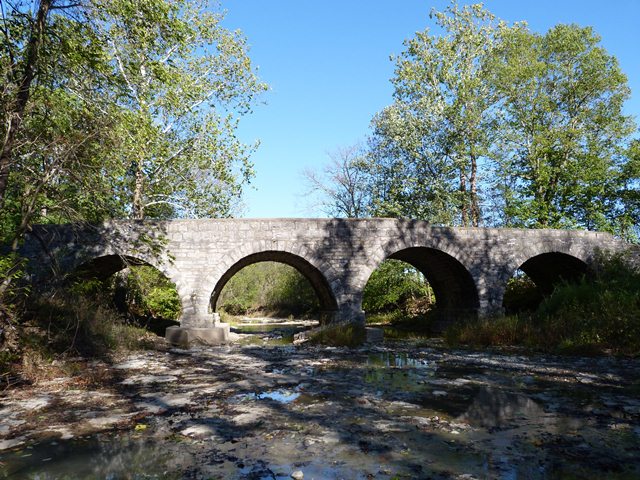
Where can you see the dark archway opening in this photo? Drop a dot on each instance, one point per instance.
(537, 278)
(449, 292)
(141, 294)
(273, 295)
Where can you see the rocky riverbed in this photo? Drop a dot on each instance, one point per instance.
(398, 410)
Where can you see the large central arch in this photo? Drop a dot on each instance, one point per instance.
(317, 280)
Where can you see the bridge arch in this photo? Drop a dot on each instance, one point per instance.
(546, 270)
(453, 285)
(317, 279)
(102, 266)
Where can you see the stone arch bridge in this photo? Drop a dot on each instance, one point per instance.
(468, 268)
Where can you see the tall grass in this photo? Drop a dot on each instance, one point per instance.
(595, 315)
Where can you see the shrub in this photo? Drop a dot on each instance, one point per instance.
(341, 335)
(150, 294)
(395, 285)
(598, 314)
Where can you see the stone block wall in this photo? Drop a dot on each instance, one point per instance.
(468, 267)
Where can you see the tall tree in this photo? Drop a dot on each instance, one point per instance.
(54, 118)
(185, 82)
(442, 122)
(564, 140)
(23, 38)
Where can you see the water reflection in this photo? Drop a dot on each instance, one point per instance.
(390, 359)
(113, 456)
(493, 407)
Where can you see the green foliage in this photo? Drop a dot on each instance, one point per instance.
(530, 126)
(112, 109)
(150, 294)
(12, 292)
(394, 285)
(268, 287)
(428, 145)
(562, 156)
(343, 335)
(521, 295)
(594, 315)
(183, 88)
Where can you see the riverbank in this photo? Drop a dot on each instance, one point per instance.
(393, 411)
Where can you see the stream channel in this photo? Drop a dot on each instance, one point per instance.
(264, 409)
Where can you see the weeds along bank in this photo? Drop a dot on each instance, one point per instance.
(600, 314)
(89, 318)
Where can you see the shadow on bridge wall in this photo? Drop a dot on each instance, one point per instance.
(61, 253)
(468, 267)
(437, 254)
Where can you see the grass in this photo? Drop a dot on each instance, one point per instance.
(594, 316)
(343, 335)
(57, 330)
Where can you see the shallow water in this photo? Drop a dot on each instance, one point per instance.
(394, 412)
(269, 332)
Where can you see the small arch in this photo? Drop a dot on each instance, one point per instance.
(315, 277)
(101, 268)
(453, 287)
(145, 294)
(546, 270)
(537, 277)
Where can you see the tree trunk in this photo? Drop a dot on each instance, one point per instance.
(464, 211)
(475, 206)
(138, 192)
(16, 113)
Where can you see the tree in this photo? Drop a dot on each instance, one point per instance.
(342, 184)
(563, 150)
(55, 118)
(118, 108)
(442, 122)
(183, 88)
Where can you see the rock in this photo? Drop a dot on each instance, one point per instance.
(297, 475)
(14, 442)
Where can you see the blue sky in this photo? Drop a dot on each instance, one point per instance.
(327, 63)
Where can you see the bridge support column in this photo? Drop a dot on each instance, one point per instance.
(197, 325)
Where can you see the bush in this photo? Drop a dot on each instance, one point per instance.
(148, 293)
(396, 286)
(521, 295)
(598, 314)
(342, 335)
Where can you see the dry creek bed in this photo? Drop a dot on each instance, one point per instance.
(266, 412)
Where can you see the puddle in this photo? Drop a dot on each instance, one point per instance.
(100, 456)
(275, 332)
(399, 360)
(280, 396)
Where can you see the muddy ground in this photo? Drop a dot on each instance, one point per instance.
(397, 410)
